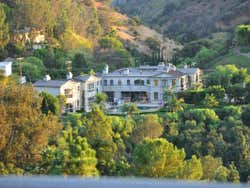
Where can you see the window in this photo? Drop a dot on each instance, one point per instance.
(91, 86)
(156, 96)
(68, 93)
(139, 82)
(119, 82)
(78, 88)
(111, 82)
(164, 83)
(105, 82)
(197, 77)
(148, 82)
(156, 83)
(128, 82)
(173, 82)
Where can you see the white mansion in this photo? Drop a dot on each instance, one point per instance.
(147, 84)
(144, 85)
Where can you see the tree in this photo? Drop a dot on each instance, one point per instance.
(243, 34)
(71, 156)
(210, 101)
(80, 63)
(193, 169)
(49, 103)
(209, 166)
(148, 128)
(233, 175)
(4, 28)
(158, 158)
(100, 136)
(33, 14)
(109, 42)
(24, 129)
(246, 115)
(130, 109)
(174, 104)
(221, 174)
(100, 99)
(32, 67)
(204, 55)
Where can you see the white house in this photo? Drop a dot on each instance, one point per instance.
(147, 84)
(6, 67)
(69, 88)
(80, 92)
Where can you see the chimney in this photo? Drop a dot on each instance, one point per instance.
(126, 71)
(69, 76)
(47, 77)
(106, 70)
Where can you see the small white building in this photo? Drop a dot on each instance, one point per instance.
(6, 67)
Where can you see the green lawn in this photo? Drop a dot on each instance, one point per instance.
(231, 58)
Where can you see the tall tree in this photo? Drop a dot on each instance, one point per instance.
(158, 158)
(4, 28)
(24, 129)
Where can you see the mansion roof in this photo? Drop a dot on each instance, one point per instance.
(152, 71)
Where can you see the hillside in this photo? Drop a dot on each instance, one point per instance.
(73, 25)
(188, 18)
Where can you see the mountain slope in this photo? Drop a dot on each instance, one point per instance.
(189, 18)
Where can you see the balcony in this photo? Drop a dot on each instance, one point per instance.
(126, 88)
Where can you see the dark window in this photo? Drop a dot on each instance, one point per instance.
(148, 82)
(128, 82)
(139, 82)
(156, 96)
(105, 82)
(111, 82)
(119, 82)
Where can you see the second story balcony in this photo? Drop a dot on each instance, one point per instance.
(126, 87)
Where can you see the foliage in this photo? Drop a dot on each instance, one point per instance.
(130, 109)
(71, 156)
(158, 158)
(109, 42)
(4, 28)
(25, 130)
(49, 104)
(243, 34)
(149, 127)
